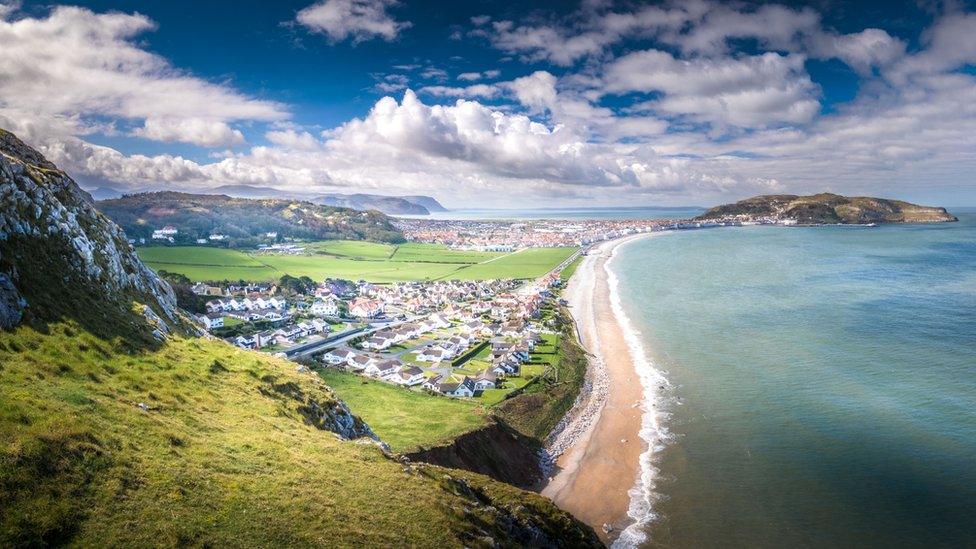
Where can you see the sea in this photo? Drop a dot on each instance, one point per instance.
(637, 212)
(820, 384)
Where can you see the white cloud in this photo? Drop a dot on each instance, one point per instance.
(75, 68)
(206, 133)
(697, 28)
(358, 20)
(536, 91)
(484, 91)
(746, 91)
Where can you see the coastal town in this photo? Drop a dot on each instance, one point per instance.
(455, 338)
(509, 235)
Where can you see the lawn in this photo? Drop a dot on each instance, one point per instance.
(405, 419)
(417, 251)
(353, 261)
(353, 249)
(527, 263)
(570, 269)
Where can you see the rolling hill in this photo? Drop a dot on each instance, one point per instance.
(826, 208)
(243, 221)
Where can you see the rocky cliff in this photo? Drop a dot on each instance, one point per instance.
(826, 208)
(58, 255)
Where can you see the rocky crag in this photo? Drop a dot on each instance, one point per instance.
(55, 246)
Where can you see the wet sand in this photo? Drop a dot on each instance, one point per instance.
(598, 470)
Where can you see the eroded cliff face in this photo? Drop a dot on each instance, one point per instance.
(495, 450)
(54, 244)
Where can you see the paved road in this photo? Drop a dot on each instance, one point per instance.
(336, 340)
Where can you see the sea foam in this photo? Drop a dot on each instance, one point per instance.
(653, 432)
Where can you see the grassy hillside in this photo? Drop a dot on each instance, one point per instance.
(405, 419)
(371, 261)
(244, 221)
(200, 443)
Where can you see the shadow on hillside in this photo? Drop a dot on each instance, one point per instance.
(55, 292)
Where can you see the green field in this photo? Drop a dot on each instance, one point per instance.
(354, 260)
(405, 419)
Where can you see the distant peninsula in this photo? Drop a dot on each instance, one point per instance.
(824, 209)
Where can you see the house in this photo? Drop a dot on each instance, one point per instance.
(244, 342)
(485, 380)
(166, 233)
(320, 325)
(473, 327)
(433, 383)
(384, 370)
(464, 389)
(212, 320)
(202, 289)
(409, 376)
(325, 307)
(360, 362)
(366, 308)
(438, 321)
(263, 339)
(433, 354)
(378, 342)
(339, 356)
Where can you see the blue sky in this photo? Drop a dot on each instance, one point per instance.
(491, 103)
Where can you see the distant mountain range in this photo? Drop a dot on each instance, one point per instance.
(105, 193)
(827, 208)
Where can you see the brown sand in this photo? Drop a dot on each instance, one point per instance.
(596, 473)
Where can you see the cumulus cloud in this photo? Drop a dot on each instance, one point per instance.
(696, 28)
(75, 68)
(745, 91)
(358, 20)
(207, 133)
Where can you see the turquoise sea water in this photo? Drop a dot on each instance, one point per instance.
(824, 383)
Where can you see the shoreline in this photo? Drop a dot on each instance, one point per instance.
(606, 444)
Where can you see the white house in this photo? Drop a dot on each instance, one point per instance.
(433, 383)
(465, 389)
(212, 320)
(360, 362)
(325, 307)
(378, 342)
(339, 356)
(432, 354)
(383, 370)
(409, 376)
(485, 380)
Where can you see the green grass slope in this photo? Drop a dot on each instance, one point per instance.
(225, 450)
(405, 419)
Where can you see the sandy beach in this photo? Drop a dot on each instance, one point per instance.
(600, 466)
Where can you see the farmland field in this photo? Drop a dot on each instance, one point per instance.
(354, 260)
